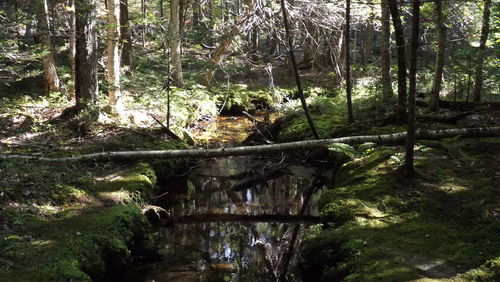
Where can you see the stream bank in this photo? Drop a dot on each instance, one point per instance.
(444, 226)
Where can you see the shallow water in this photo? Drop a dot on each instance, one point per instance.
(234, 218)
(210, 242)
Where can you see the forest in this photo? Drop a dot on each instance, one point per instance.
(249, 140)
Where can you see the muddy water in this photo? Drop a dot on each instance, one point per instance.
(234, 220)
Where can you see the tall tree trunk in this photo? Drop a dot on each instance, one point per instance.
(348, 83)
(386, 51)
(51, 80)
(114, 93)
(400, 44)
(369, 38)
(182, 19)
(175, 42)
(438, 72)
(196, 13)
(161, 8)
(125, 34)
(296, 72)
(72, 47)
(410, 138)
(478, 84)
(86, 83)
(144, 26)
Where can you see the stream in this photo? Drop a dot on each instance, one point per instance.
(234, 219)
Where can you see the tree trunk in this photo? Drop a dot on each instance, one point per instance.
(400, 43)
(175, 42)
(395, 138)
(348, 83)
(478, 84)
(72, 48)
(410, 138)
(161, 8)
(125, 34)
(86, 83)
(386, 52)
(441, 38)
(51, 80)
(369, 38)
(196, 13)
(296, 72)
(114, 98)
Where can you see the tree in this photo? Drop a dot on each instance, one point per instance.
(478, 84)
(114, 55)
(300, 91)
(51, 80)
(438, 71)
(126, 35)
(175, 42)
(400, 46)
(86, 83)
(348, 82)
(386, 51)
(410, 137)
(72, 46)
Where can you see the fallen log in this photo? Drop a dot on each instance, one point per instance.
(225, 217)
(395, 138)
(453, 118)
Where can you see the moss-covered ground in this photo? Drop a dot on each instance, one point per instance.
(73, 221)
(443, 226)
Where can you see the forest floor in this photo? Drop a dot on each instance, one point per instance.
(70, 221)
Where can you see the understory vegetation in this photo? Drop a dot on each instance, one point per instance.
(78, 79)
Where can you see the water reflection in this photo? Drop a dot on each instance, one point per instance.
(233, 250)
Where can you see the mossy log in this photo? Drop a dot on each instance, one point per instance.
(395, 138)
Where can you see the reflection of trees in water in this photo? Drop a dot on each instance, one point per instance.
(239, 251)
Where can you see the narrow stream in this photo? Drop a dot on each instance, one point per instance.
(234, 219)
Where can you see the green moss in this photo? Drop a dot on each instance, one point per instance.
(140, 178)
(71, 248)
(387, 231)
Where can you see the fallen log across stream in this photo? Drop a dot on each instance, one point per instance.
(395, 138)
(246, 218)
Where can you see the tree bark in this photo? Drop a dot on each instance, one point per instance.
(51, 80)
(175, 43)
(395, 138)
(300, 91)
(369, 38)
(72, 48)
(386, 51)
(478, 84)
(86, 82)
(441, 46)
(348, 83)
(400, 44)
(410, 138)
(126, 36)
(114, 98)
(144, 25)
